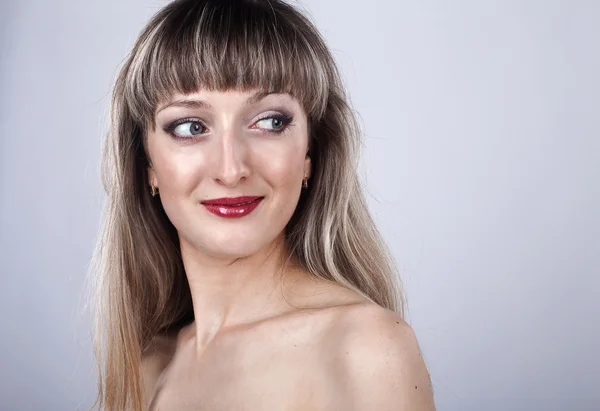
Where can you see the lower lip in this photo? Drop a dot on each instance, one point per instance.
(227, 211)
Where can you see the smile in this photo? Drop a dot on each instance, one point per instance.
(232, 207)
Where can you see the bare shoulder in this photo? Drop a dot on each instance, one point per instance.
(378, 362)
(155, 359)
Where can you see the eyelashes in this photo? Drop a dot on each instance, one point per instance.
(185, 128)
(282, 119)
(192, 127)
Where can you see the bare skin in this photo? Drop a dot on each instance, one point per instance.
(301, 359)
(267, 335)
(267, 364)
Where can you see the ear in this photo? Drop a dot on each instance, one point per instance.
(152, 180)
(307, 167)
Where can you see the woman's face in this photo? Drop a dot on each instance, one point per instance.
(212, 145)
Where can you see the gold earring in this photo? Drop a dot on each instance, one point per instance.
(154, 190)
(305, 181)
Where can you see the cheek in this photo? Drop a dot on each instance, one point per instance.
(179, 172)
(283, 172)
(281, 167)
(283, 175)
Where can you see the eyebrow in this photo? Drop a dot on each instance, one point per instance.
(201, 104)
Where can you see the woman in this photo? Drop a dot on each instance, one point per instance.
(239, 268)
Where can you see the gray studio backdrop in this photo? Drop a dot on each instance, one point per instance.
(482, 159)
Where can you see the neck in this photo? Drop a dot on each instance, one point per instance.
(237, 291)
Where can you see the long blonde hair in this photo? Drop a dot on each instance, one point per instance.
(141, 285)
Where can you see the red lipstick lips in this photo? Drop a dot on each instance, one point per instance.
(232, 207)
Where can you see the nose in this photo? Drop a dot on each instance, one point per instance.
(231, 165)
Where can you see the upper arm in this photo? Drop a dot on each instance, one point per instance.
(381, 365)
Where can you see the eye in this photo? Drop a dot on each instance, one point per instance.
(185, 128)
(274, 123)
(189, 128)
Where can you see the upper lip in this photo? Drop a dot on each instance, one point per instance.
(231, 201)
